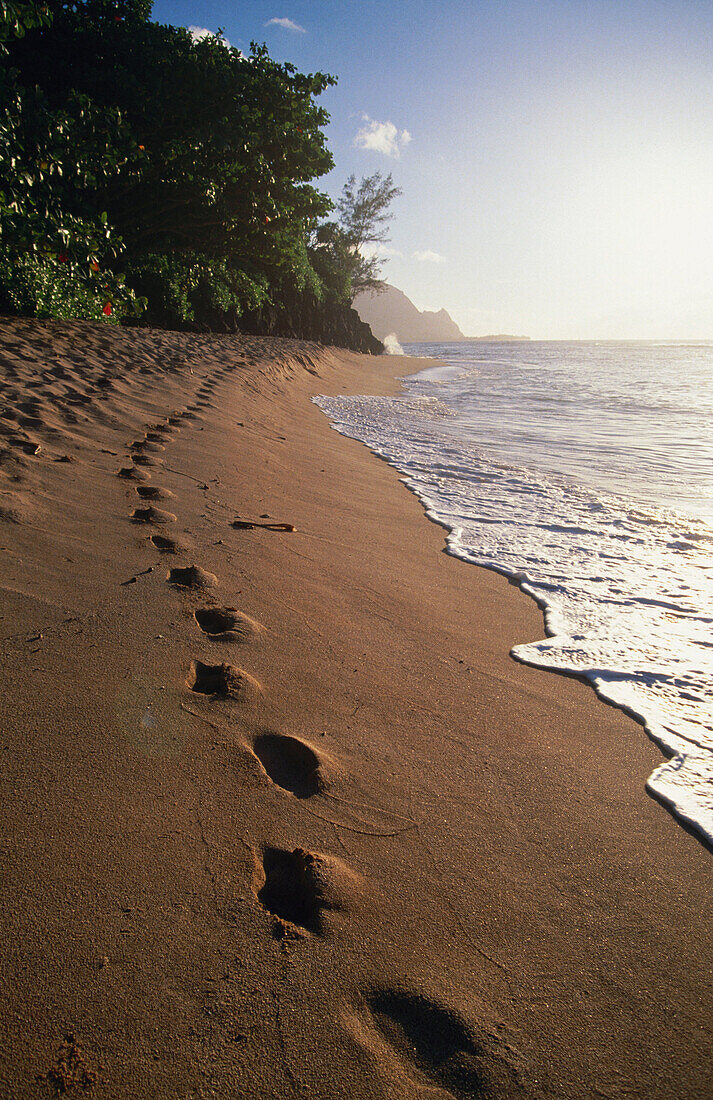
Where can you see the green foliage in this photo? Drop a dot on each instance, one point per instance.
(334, 260)
(187, 289)
(40, 286)
(344, 252)
(138, 166)
(108, 11)
(51, 161)
(17, 17)
(228, 145)
(364, 208)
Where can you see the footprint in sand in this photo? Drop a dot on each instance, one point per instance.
(143, 445)
(299, 886)
(165, 545)
(132, 473)
(290, 763)
(192, 576)
(152, 515)
(227, 624)
(31, 422)
(25, 446)
(223, 680)
(74, 397)
(153, 492)
(429, 1043)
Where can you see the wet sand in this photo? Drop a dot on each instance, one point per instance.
(280, 815)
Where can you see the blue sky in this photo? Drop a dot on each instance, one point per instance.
(555, 156)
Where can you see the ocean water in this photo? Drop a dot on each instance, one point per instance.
(584, 471)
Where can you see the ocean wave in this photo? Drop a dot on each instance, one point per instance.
(624, 608)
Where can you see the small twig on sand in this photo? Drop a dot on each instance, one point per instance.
(249, 524)
(133, 580)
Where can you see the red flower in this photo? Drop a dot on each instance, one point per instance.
(95, 265)
(63, 257)
(107, 310)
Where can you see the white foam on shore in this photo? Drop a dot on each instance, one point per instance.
(626, 591)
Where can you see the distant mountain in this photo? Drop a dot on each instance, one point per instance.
(498, 338)
(391, 311)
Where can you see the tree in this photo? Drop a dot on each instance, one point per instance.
(17, 17)
(57, 249)
(137, 161)
(364, 216)
(213, 153)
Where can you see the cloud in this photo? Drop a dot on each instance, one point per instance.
(198, 33)
(429, 257)
(382, 137)
(369, 250)
(286, 24)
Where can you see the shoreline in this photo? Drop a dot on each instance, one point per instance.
(681, 779)
(488, 892)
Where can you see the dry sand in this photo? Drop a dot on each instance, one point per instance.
(296, 825)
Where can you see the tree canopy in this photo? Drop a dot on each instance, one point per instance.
(140, 168)
(364, 216)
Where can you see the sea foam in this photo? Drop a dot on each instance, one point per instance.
(625, 584)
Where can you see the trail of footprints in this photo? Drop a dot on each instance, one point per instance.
(58, 381)
(300, 887)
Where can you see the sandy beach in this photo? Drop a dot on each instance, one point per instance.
(280, 815)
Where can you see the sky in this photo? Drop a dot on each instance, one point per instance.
(555, 156)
